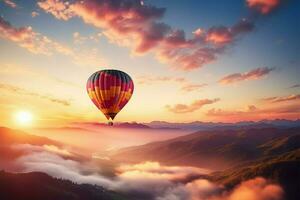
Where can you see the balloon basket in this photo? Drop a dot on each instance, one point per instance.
(110, 123)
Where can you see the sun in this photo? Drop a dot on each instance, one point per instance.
(23, 117)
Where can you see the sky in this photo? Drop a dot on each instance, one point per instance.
(193, 60)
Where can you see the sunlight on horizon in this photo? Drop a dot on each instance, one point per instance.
(24, 118)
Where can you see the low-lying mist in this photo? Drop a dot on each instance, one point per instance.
(103, 138)
(147, 180)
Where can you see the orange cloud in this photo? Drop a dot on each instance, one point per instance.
(292, 97)
(10, 3)
(251, 75)
(257, 189)
(34, 14)
(154, 170)
(263, 6)
(196, 105)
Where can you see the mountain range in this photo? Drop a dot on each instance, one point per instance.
(236, 155)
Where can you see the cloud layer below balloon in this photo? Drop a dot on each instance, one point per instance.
(148, 180)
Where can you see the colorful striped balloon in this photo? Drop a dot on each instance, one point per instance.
(110, 90)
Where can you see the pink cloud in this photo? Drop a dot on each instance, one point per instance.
(136, 25)
(251, 75)
(254, 113)
(292, 97)
(263, 6)
(10, 3)
(196, 105)
(37, 43)
(31, 40)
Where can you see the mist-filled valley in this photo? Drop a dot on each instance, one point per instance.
(229, 164)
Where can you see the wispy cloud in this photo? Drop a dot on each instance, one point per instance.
(292, 97)
(10, 3)
(251, 75)
(192, 87)
(295, 86)
(79, 39)
(37, 43)
(160, 79)
(185, 84)
(252, 112)
(186, 108)
(264, 6)
(22, 91)
(31, 40)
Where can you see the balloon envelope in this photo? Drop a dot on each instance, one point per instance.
(110, 90)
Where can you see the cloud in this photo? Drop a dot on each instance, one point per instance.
(147, 181)
(59, 9)
(185, 84)
(292, 97)
(21, 91)
(37, 158)
(222, 35)
(30, 40)
(39, 44)
(252, 112)
(263, 6)
(137, 25)
(79, 39)
(154, 170)
(192, 87)
(157, 79)
(295, 86)
(196, 105)
(257, 189)
(10, 3)
(34, 14)
(251, 75)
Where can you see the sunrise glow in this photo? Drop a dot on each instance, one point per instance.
(23, 118)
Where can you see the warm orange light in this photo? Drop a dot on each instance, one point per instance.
(23, 117)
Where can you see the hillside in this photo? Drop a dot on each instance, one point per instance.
(10, 136)
(37, 186)
(215, 149)
(282, 169)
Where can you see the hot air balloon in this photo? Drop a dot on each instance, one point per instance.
(110, 90)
